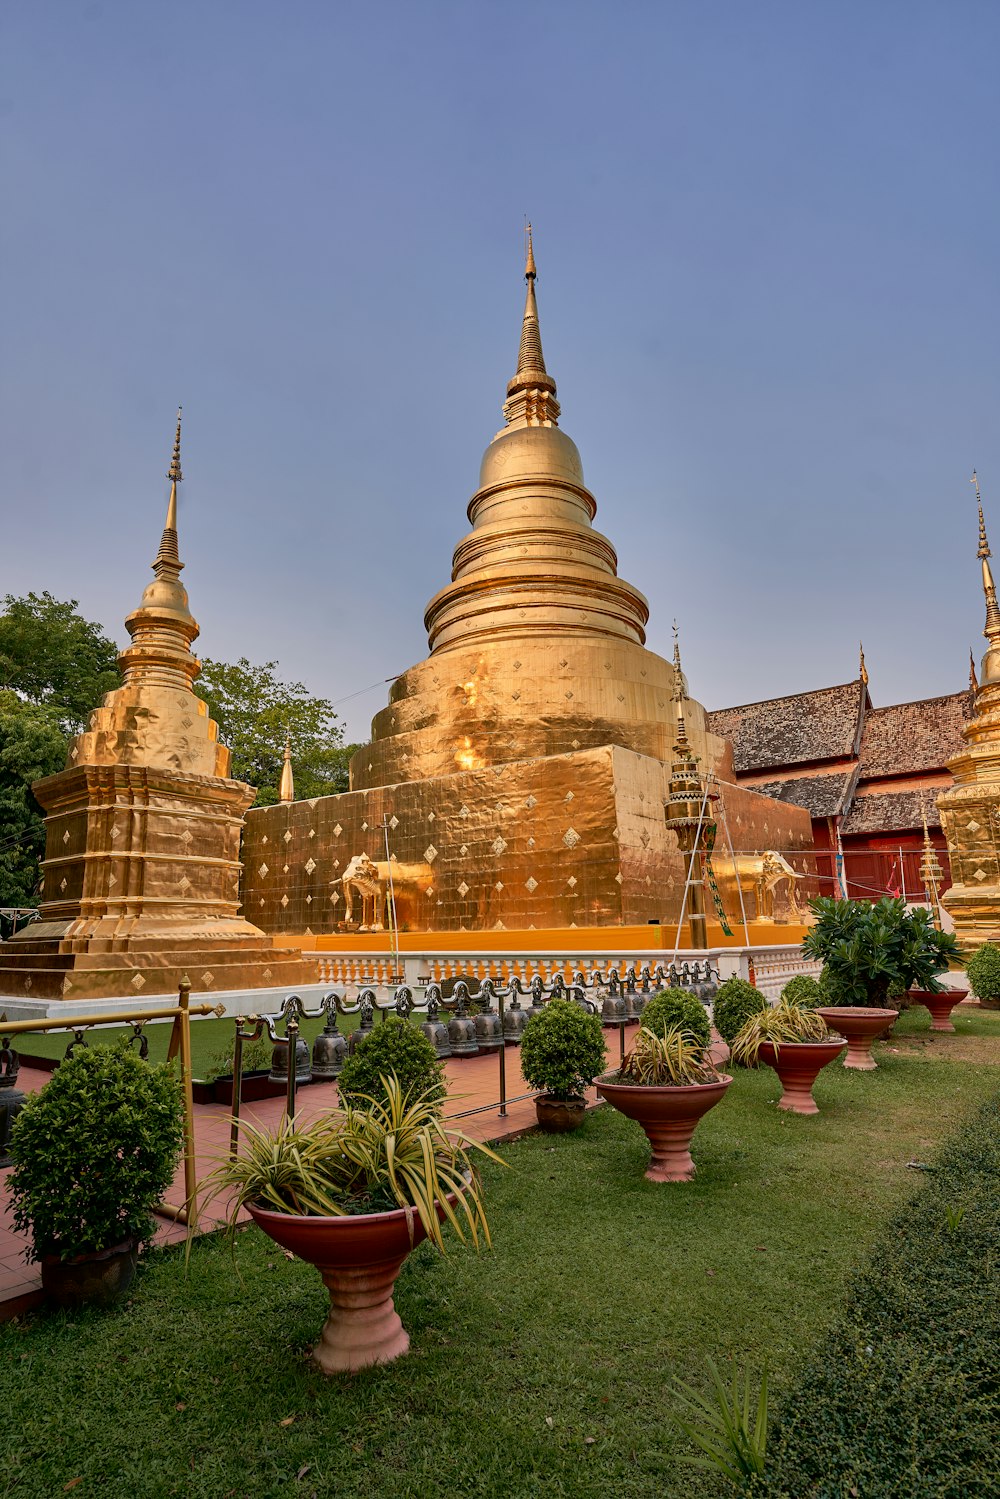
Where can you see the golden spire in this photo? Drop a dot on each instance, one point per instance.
(531, 395)
(992, 630)
(930, 870)
(682, 746)
(286, 791)
(168, 558)
(863, 672)
(973, 680)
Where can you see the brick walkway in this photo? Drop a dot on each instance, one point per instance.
(472, 1082)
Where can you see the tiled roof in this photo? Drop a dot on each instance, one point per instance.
(822, 796)
(891, 812)
(809, 726)
(910, 737)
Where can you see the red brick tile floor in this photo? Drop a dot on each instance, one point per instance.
(473, 1083)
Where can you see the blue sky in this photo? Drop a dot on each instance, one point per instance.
(767, 240)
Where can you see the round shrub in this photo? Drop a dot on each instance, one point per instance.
(562, 1049)
(673, 1007)
(983, 969)
(735, 1003)
(803, 991)
(397, 1048)
(94, 1151)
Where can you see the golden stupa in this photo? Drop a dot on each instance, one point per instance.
(970, 809)
(142, 852)
(517, 778)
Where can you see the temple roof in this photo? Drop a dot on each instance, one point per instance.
(797, 730)
(878, 811)
(911, 737)
(821, 796)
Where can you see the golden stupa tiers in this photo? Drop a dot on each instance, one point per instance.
(523, 767)
(142, 855)
(970, 809)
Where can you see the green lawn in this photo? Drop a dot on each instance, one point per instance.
(601, 1287)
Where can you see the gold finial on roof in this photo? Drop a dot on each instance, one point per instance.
(286, 790)
(529, 258)
(992, 630)
(863, 671)
(973, 679)
(168, 556)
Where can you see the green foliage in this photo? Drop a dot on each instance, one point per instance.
(256, 1057)
(803, 991)
(953, 1215)
(730, 1429)
(562, 1049)
(51, 655)
(983, 969)
(677, 1007)
(735, 1002)
(900, 1396)
(94, 1151)
(255, 711)
(32, 745)
(779, 1024)
(373, 1157)
(870, 946)
(675, 1059)
(393, 1049)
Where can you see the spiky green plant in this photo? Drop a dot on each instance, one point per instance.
(374, 1156)
(674, 1060)
(731, 1433)
(782, 1024)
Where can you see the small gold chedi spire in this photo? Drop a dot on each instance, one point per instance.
(973, 679)
(991, 661)
(286, 790)
(931, 872)
(863, 670)
(531, 395)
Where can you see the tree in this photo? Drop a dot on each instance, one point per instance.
(51, 655)
(32, 745)
(255, 711)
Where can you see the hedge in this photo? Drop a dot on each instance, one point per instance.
(901, 1400)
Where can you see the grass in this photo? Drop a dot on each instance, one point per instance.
(544, 1367)
(208, 1038)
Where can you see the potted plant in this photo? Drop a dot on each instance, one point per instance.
(667, 1083)
(217, 1084)
(796, 1043)
(394, 1048)
(353, 1193)
(983, 970)
(678, 1009)
(562, 1051)
(735, 1002)
(93, 1152)
(870, 949)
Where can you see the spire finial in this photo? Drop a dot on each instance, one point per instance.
(286, 790)
(529, 254)
(168, 556)
(529, 355)
(973, 679)
(863, 670)
(992, 630)
(531, 395)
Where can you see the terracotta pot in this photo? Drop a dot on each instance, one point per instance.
(860, 1026)
(96, 1279)
(669, 1117)
(798, 1065)
(558, 1115)
(359, 1259)
(940, 1005)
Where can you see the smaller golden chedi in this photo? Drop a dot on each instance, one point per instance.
(142, 855)
(970, 810)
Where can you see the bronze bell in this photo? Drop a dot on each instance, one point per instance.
(614, 1010)
(365, 1028)
(489, 1031)
(514, 1021)
(537, 999)
(12, 1100)
(435, 1031)
(462, 1036)
(329, 1049)
(279, 1062)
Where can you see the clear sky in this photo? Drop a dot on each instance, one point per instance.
(767, 241)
